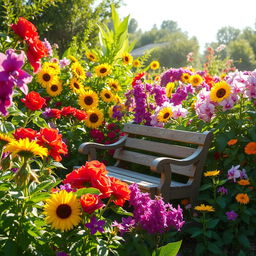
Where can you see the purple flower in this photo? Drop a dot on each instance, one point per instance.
(125, 226)
(180, 95)
(160, 95)
(95, 225)
(64, 62)
(48, 47)
(61, 254)
(67, 187)
(232, 215)
(234, 173)
(222, 190)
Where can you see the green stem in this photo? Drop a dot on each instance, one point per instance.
(204, 230)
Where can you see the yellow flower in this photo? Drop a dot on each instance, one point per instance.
(164, 114)
(136, 63)
(195, 80)
(110, 111)
(243, 182)
(118, 99)
(204, 208)
(103, 70)
(211, 173)
(88, 99)
(27, 148)
(54, 89)
(154, 65)
(95, 118)
(222, 76)
(72, 58)
(54, 67)
(78, 70)
(114, 84)
(76, 86)
(127, 58)
(46, 77)
(220, 91)
(242, 198)
(91, 56)
(62, 210)
(4, 139)
(169, 88)
(107, 96)
(185, 77)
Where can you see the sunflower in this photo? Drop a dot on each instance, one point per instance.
(54, 67)
(88, 99)
(4, 139)
(195, 80)
(110, 111)
(114, 84)
(54, 89)
(95, 118)
(76, 86)
(103, 70)
(220, 91)
(91, 56)
(164, 114)
(27, 148)
(222, 76)
(72, 58)
(45, 77)
(204, 208)
(107, 96)
(78, 70)
(211, 173)
(118, 99)
(232, 142)
(62, 210)
(169, 87)
(250, 148)
(243, 182)
(127, 58)
(136, 63)
(154, 65)
(185, 77)
(242, 198)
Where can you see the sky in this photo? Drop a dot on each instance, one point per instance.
(200, 18)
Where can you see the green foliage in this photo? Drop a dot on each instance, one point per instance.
(227, 34)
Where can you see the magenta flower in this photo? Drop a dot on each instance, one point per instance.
(232, 215)
(61, 254)
(125, 226)
(95, 225)
(67, 187)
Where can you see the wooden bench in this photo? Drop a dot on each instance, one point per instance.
(163, 152)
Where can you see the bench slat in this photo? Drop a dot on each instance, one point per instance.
(174, 135)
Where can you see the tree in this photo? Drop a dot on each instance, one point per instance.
(170, 25)
(227, 34)
(250, 36)
(133, 25)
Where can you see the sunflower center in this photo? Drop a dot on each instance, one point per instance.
(107, 95)
(94, 118)
(103, 70)
(78, 71)
(92, 57)
(46, 77)
(166, 115)
(63, 211)
(195, 81)
(76, 85)
(54, 88)
(88, 100)
(126, 58)
(221, 93)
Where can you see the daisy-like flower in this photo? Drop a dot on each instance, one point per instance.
(54, 67)
(185, 77)
(127, 58)
(95, 118)
(46, 77)
(4, 139)
(25, 147)
(78, 71)
(88, 99)
(243, 182)
(54, 89)
(91, 56)
(76, 86)
(164, 114)
(195, 80)
(169, 88)
(114, 84)
(154, 65)
(136, 63)
(103, 70)
(242, 198)
(212, 173)
(107, 96)
(62, 210)
(72, 58)
(220, 91)
(232, 142)
(250, 148)
(204, 208)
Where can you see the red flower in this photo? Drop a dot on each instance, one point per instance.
(80, 114)
(137, 78)
(103, 184)
(90, 203)
(33, 101)
(111, 135)
(22, 133)
(121, 191)
(54, 113)
(65, 111)
(25, 29)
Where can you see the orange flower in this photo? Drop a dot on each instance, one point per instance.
(90, 203)
(121, 191)
(250, 148)
(243, 182)
(232, 142)
(242, 198)
(184, 202)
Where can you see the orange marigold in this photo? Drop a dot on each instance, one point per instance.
(242, 198)
(232, 142)
(250, 148)
(243, 182)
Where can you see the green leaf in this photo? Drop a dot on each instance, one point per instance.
(221, 201)
(213, 223)
(170, 249)
(243, 240)
(40, 122)
(200, 249)
(38, 197)
(44, 185)
(18, 120)
(212, 247)
(119, 210)
(58, 165)
(83, 191)
(227, 236)
(205, 187)
(4, 186)
(10, 248)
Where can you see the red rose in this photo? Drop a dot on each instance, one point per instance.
(33, 101)
(25, 29)
(121, 191)
(90, 203)
(103, 184)
(80, 115)
(54, 113)
(22, 133)
(65, 111)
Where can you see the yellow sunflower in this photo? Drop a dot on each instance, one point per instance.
(204, 208)
(118, 99)
(127, 58)
(211, 173)
(62, 210)
(91, 56)
(72, 58)
(220, 91)
(4, 139)
(164, 114)
(154, 65)
(114, 84)
(196, 80)
(95, 118)
(54, 89)
(103, 70)
(169, 88)
(45, 77)
(76, 86)
(185, 77)
(136, 63)
(88, 99)
(107, 96)
(54, 67)
(110, 111)
(78, 70)
(25, 147)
